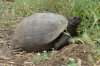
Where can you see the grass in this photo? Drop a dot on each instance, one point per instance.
(12, 12)
(40, 57)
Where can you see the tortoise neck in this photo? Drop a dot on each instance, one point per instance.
(72, 29)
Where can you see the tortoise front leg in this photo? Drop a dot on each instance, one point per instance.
(62, 41)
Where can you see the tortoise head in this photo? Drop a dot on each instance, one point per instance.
(75, 20)
(73, 24)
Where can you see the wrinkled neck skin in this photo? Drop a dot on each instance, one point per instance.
(72, 28)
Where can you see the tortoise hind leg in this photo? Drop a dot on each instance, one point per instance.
(61, 41)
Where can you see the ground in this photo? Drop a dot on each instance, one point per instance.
(77, 54)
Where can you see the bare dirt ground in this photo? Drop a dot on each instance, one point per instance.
(79, 54)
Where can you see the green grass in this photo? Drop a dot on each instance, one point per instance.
(12, 12)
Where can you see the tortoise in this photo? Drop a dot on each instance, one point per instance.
(44, 31)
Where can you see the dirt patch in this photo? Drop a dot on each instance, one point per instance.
(79, 54)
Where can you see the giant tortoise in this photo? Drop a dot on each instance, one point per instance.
(44, 31)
